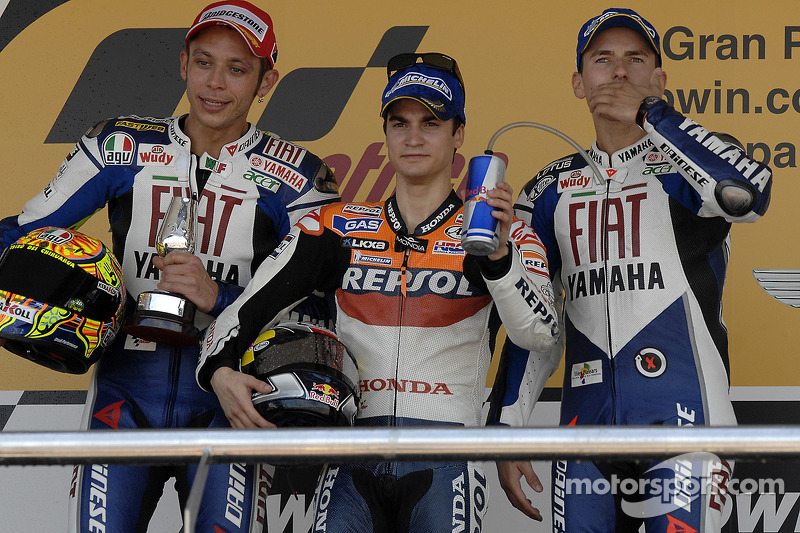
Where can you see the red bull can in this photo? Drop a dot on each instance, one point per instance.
(479, 229)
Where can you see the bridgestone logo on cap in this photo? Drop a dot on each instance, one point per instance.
(237, 16)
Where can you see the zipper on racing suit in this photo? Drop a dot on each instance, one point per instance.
(607, 280)
(403, 296)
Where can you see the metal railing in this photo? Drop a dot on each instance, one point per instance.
(319, 445)
(342, 444)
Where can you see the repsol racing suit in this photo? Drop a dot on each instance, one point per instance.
(418, 314)
(641, 257)
(248, 199)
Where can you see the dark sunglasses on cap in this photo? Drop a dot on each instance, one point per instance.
(430, 59)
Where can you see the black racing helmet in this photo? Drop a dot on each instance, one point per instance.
(313, 375)
(62, 299)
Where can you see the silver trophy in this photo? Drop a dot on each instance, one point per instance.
(163, 316)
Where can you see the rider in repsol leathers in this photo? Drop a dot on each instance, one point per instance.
(640, 254)
(248, 196)
(417, 313)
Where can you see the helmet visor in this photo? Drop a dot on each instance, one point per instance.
(58, 282)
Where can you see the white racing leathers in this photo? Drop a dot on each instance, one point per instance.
(419, 316)
(641, 256)
(257, 187)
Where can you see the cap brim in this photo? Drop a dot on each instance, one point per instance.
(439, 115)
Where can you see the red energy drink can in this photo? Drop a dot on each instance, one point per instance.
(479, 229)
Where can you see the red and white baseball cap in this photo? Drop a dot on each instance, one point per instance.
(252, 23)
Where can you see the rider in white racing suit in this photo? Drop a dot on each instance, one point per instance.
(417, 313)
(248, 199)
(641, 257)
(640, 254)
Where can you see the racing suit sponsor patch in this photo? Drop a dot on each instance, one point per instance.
(454, 232)
(448, 248)
(365, 244)
(587, 373)
(135, 343)
(344, 225)
(277, 170)
(155, 155)
(287, 152)
(362, 210)
(535, 263)
(118, 149)
(573, 180)
(282, 246)
(234, 507)
(364, 259)
(541, 184)
(271, 184)
(650, 362)
(324, 498)
(138, 126)
(209, 163)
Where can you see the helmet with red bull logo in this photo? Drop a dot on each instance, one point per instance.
(312, 374)
(62, 299)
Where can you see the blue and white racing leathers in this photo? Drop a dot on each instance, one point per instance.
(641, 258)
(248, 198)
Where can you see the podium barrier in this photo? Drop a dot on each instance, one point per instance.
(288, 445)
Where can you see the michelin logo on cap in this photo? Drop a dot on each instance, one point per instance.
(415, 78)
(608, 14)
